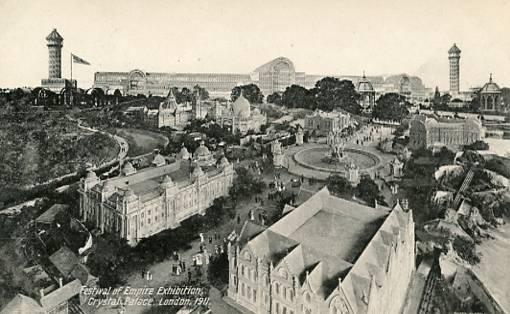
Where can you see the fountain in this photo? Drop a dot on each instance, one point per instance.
(336, 153)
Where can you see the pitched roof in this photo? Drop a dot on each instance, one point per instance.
(21, 304)
(60, 295)
(248, 231)
(454, 49)
(49, 215)
(54, 36)
(64, 260)
(319, 241)
(82, 273)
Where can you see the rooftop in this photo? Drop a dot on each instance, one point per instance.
(145, 182)
(64, 260)
(49, 215)
(331, 219)
(54, 36)
(328, 239)
(22, 304)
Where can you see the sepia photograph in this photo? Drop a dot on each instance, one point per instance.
(268, 157)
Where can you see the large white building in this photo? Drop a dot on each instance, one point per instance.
(322, 123)
(239, 116)
(425, 132)
(141, 203)
(328, 255)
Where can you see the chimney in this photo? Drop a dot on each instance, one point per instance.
(41, 292)
(60, 282)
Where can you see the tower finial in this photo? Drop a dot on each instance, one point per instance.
(490, 78)
(364, 74)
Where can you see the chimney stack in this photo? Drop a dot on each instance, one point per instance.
(41, 292)
(60, 282)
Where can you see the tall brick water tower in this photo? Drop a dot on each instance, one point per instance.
(55, 82)
(54, 54)
(454, 57)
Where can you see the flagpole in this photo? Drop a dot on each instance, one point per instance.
(71, 67)
(72, 85)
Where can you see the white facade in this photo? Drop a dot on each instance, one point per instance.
(277, 270)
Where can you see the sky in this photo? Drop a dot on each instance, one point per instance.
(341, 37)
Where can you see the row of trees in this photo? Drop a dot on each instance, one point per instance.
(328, 94)
(18, 99)
(391, 106)
(331, 93)
(186, 95)
(367, 189)
(250, 91)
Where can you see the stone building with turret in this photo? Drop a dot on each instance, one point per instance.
(328, 255)
(141, 203)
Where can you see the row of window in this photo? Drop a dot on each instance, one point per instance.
(247, 273)
(248, 293)
(281, 309)
(286, 293)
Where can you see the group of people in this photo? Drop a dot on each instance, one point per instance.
(146, 274)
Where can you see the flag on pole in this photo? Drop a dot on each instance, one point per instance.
(79, 60)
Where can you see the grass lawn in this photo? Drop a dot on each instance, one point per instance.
(141, 141)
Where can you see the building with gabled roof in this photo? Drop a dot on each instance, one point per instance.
(426, 132)
(22, 304)
(44, 294)
(328, 255)
(153, 199)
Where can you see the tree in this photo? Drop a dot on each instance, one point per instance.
(466, 250)
(331, 93)
(185, 96)
(274, 98)
(218, 270)
(474, 104)
(296, 96)
(505, 94)
(368, 191)
(391, 106)
(204, 94)
(339, 185)
(436, 101)
(445, 100)
(217, 211)
(478, 145)
(251, 92)
(245, 185)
